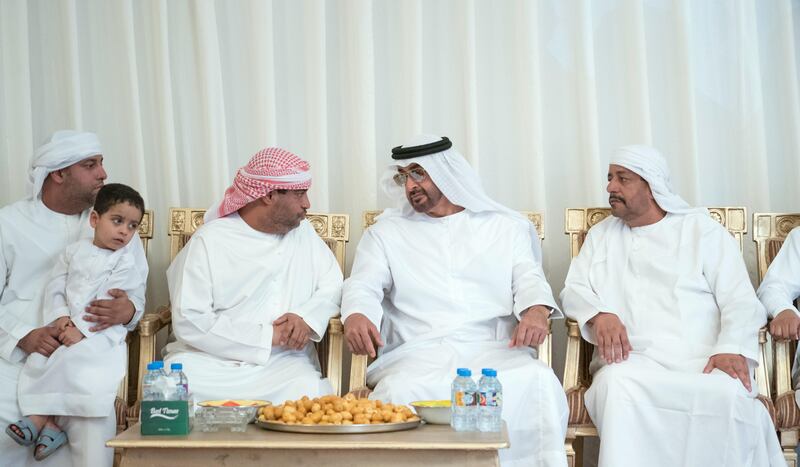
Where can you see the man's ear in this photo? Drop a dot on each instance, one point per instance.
(93, 218)
(58, 176)
(269, 198)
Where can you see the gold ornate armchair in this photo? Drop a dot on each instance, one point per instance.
(334, 229)
(769, 233)
(128, 384)
(577, 379)
(359, 363)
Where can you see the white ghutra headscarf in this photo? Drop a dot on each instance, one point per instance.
(457, 181)
(649, 164)
(64, 148)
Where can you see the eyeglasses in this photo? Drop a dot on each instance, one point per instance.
(417, 174)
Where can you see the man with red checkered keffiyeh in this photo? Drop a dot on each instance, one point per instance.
(253, 287)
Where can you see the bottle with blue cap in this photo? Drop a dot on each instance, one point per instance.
(463, 401)
(151, 382)
(179, 381)
(490, 401)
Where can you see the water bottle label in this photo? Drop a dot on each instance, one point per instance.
(465, 399)
(491, 399)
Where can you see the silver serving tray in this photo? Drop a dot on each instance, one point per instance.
(339, 429)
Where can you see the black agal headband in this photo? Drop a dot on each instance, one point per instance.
(410, 152)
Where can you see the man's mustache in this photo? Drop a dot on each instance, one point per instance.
(618, 198)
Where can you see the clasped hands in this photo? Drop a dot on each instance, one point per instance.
(612, 343)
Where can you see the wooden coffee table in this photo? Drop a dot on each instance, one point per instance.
(428, 445)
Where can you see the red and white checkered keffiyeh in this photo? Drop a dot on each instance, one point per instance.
(269, 169)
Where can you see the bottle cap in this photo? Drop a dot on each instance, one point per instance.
(151, 366)
(176, 366)
(158, 364)
(464, 372)
(484, 371)
(490, 372)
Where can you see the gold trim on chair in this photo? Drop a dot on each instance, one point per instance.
(769, 232)
(127, 388)
(577, 379)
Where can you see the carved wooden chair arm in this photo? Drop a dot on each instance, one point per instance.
(787, 414)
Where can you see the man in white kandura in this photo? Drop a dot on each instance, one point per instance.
(661, 290)
(252, 288)
(778, 290)
(454, 279)
(66, 174)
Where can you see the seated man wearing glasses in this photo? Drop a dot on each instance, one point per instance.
(454, 279)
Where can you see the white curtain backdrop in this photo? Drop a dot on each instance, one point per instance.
(536, 94)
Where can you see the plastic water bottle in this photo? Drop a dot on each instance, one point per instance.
(161, 382)
(490, 404)
(462, 401)
(150, 382)
(179, 381)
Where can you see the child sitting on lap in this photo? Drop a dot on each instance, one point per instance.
(82, 376)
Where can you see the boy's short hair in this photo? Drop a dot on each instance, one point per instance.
(116, 193)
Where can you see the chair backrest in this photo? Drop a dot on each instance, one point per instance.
(578, 221)
(535, 217)
(334, 229)
(770, 230)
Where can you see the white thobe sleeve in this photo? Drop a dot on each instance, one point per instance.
(324, 302)
(579, 299)
(54, 303)
(781, 285)
(528, 282)
(369, 279)
(137, 295)
(741, 314)
(194, 318)
(125, 276)
(11, 328)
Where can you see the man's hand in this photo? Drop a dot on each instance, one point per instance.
(363, 338)
(62, 322)
(786, 325)
(290, 330)
(107, 313)
(532, 327)
(70, 336)
(41, 340)
(611, 336)
(733, 364)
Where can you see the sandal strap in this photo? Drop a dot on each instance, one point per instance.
(27, 428)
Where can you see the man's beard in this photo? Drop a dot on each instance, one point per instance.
(82, 199)
(618, 207)
(423, 206)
